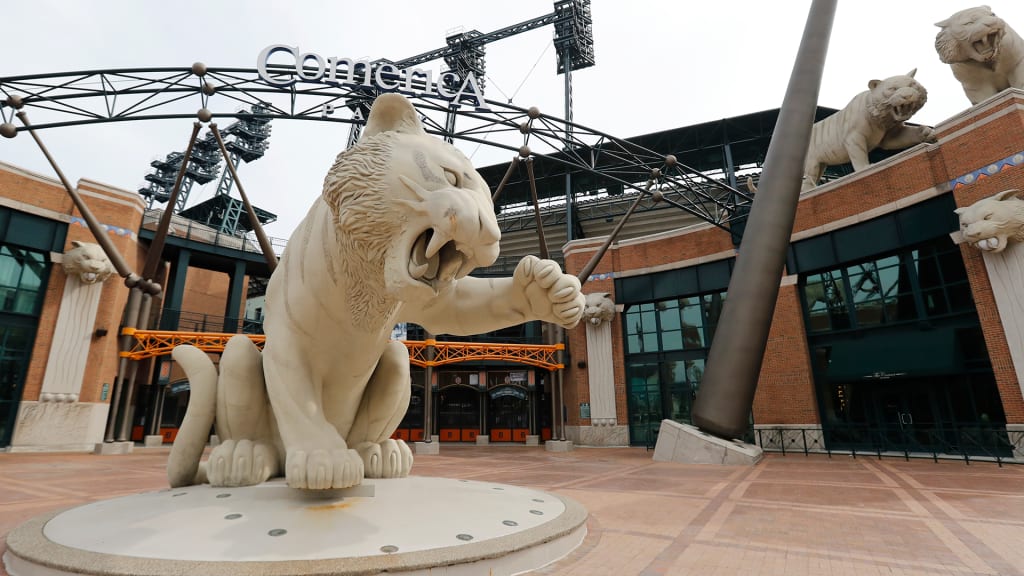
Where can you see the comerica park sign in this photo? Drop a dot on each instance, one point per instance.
(290, 65)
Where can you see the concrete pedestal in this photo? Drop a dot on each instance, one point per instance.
(684, 443)
(153, 440)
(412, 526)
(558, 445)
(533, 440)
(105, 448)
(483, 440)
(426, 447)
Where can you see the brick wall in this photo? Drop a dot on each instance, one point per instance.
(785, 388)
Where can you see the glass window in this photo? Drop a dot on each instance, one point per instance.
(693, 322)
(882, 291)
(22, 273)
(669, 315)
(672, 340)
(712, 311)
(825, 299)
(10, 269)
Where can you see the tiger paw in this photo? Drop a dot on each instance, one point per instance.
(241, 463)
(320, 469)
(388, 459)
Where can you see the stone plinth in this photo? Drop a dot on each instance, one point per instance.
(426, 447)
(410, 526)
(533, 440)
(483, 439)
(104, 448)
(59, 426)
(558, 445)
(598, 435)
(684, 443)
(153, 440)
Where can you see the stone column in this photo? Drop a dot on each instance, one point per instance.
(72, 337)
(1006, 274)
(600, 374)
(604, 429)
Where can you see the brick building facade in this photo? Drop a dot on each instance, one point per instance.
(895, 218)
(51, 399)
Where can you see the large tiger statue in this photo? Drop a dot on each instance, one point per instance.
(402, 220)
(985, 53)
(873, 119)
(991, 223)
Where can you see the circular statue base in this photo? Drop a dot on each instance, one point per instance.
(408, 525)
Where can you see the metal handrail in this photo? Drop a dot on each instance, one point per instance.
(182, 227)
(191, 321)
(967, 441)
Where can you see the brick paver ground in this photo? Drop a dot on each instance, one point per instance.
(787, 516)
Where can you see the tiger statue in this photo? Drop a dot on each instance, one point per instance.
(991, 223)
(985, 53)
(873, 119)
(402, 220)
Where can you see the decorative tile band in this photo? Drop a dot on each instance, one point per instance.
(986, 171)
(115, 230)
(602, 276)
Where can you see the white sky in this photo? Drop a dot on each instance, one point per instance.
(660, 65)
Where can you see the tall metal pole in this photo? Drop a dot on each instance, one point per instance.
(428, 390)
(727, 391)
(567, 59)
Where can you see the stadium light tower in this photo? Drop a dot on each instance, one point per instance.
(574, 45)
(248, 142)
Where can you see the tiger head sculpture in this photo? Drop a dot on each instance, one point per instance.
(990, 223)
(87, 262)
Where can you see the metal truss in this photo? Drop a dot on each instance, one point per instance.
(539, 355)
(151, 343)
(100, 96)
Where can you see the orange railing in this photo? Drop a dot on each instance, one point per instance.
(150, 343)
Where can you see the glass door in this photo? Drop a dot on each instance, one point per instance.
(643, 382)
(458, 409)
(661, 387)
(910, 417)
(15, 350)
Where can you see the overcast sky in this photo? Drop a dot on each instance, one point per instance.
(660, 65)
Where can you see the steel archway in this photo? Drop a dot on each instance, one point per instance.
(120, 95)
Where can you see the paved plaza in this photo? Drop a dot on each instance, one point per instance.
(789, 515)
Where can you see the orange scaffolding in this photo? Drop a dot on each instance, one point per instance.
(150, 343)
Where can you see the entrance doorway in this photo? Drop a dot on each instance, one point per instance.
(911, 417)
(15, 350)
(661, 388)
(948, 414)
(458, 418)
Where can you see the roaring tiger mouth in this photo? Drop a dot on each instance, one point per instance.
(902, 112)
(986, 46)
(435, 260)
